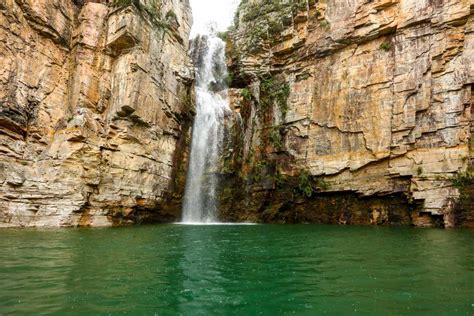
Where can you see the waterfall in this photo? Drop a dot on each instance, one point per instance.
(208, 54)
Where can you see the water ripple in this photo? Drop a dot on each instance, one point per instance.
(235, 270)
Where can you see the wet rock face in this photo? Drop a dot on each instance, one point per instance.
(95, 111)
(375, 101)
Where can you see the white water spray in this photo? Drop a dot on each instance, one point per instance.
(208, 53)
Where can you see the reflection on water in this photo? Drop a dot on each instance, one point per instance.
(202, 270)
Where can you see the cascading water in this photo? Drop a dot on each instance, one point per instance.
(208, 53)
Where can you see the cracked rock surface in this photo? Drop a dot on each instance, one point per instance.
(95, 111)
(379, 104)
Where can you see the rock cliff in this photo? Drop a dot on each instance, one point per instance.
(95, 111)
(349, 112)
(352, 112)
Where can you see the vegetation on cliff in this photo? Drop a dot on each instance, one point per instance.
(334, 104)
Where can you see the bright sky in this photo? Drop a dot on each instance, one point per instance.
(217, 12)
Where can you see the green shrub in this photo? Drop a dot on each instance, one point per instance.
(223, 35)
(276, 138)
(274, 92)
(386, 46)
(280, 180)
(259, 170)
(246, 94)
(171, 15)
(304, 183)
(307, 183)
(464, 178)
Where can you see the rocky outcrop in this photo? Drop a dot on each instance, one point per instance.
(349, 106)
(95, 111)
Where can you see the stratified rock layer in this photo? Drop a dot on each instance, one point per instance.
(370, 100)
(95, 111)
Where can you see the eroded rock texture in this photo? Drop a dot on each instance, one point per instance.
(348, 106)
(95, 111)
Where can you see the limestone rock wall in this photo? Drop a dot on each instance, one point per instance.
(95, 111)
(367, 99)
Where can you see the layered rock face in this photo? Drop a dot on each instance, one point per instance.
(352, 112)
(95, 111)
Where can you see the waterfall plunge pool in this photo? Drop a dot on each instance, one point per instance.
(213, 224)
(237, 270)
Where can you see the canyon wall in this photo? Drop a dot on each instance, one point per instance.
(351, 112)
(95, 111)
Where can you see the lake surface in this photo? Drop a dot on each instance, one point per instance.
(237, 270)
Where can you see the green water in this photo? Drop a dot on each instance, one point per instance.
(237, 270)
